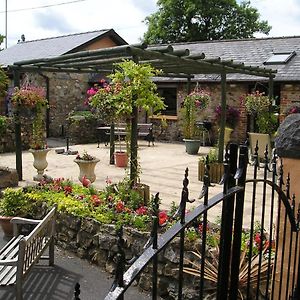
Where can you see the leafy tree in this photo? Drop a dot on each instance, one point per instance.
(199, 20)
(3, 82)
(1, 40)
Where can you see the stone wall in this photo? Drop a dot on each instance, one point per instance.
(67, 92)
(7, 137)
(82, 130)
(97, 243)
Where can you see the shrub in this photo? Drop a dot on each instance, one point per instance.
(116, 204)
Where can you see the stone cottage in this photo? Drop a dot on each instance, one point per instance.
(65, 91)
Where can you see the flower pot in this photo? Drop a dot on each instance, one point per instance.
(87, 168)
(192, 146)
(216, 171)
(6, 226)
(40, 162)
(121, 159)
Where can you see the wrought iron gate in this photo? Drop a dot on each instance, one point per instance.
(264, 265)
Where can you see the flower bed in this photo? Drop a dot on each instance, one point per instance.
(87, 222)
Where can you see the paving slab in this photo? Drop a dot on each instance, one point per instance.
(58, 282)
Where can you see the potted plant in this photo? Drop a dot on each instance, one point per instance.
(101, 97)
(193, 103)
(263, 122)
(256, 104)
(13, 203)
(86, 164)
(130, 91)
(216, 168)
(33, 99)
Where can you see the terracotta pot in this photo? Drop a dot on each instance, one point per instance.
(40, 162)
(87, 168)
(6, 226)
(121, 159)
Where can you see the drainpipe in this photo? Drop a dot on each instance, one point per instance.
(223, 116)
(48, 108)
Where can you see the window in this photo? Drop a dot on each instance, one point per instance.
(170, 99)
(279, 58)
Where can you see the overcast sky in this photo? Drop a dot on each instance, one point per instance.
(124, 16)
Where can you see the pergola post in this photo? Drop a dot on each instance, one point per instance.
(223, 117)
(133, 141)
(18, 139)
(112, 144)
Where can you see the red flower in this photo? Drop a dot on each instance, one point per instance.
(162, 217)
(142, 210)
(96, 200)
(257, 238)
(68, 189)
(120, 206)
(200, 227)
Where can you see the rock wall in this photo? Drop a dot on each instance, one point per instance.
(82, 130)
(7, 137)
(97, 243)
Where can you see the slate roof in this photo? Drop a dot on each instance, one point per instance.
(54, 46)
(251, 52)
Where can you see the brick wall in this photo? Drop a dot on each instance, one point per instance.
(290, 95)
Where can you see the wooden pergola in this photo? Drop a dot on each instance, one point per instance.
(173, 63)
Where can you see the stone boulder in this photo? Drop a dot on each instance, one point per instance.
(287, 142)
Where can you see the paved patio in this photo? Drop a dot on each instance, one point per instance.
(162, 168)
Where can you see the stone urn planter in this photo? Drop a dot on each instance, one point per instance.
(192, 146)
(87, 168)
(40, 162)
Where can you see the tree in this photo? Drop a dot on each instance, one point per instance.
(200, 20)
(1, 40)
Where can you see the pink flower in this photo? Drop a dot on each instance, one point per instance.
(142, 210)
(108, 180)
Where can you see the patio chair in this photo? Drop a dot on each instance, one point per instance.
(263, 139)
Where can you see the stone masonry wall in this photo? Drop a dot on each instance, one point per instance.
(67, 92)
(7, 137)
(97, 243)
